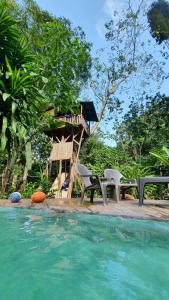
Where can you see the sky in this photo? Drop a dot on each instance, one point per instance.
(91, 15)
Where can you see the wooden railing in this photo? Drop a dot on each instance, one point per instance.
(75, 119)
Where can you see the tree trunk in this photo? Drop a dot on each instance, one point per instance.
(14, 181)
(5, 178)
(25, 176)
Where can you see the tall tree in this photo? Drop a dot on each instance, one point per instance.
(62, 52)
(129, 58)
(144, 128)
(43, 61)
(19, 97)
(158, 18)
(18, 92)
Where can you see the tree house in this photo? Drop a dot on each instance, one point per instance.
(66, 145)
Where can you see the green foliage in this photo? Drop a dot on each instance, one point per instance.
(3, 195)
(38, 183)
(162, 156)
(29, 189)
(43, 61)
(97, 156)
(156, 192)
(143, 131)
(62, 52)
(17, 85)
(44, 185)
(158, 18)
(41, 148)
(49, 123)
(28, 155)
(144, 127)
(135, 170)
(13, 45)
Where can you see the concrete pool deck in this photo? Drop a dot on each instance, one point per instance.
(152, 209)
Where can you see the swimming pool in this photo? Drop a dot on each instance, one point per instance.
(76, 256)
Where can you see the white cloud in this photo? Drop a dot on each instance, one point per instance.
(108, 10)
(110, 6)
(100, 28)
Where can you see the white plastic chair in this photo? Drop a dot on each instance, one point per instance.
(114, 176)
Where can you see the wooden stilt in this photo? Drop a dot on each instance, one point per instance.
(49, 169)
(59, 175)
(73, 163)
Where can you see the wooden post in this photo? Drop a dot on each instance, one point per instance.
(80, 143)
(59, 175)
(73, 162)
(47, 170)
(50, 169)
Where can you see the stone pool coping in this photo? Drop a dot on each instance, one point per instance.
(152, 209)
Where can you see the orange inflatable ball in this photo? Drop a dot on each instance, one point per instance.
(38, 197)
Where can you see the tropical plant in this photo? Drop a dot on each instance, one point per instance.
(97, 156)
(135, 170)
(144, 128)
(62, 63)
(22, 106)
(20, 99)
(162, 156)
(29, 189)
(62, 52)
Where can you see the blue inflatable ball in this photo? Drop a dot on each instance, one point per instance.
(15, 197)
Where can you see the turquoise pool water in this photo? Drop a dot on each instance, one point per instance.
(74, 256)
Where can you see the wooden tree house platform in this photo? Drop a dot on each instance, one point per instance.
(66, 145)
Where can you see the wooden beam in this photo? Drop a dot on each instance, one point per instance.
(80, 142)
(59, 175)
(57, 139)
(67, 138)
(74, 136)
(76, 142)
(72, 171)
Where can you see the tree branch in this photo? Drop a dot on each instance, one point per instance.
(109, 92)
